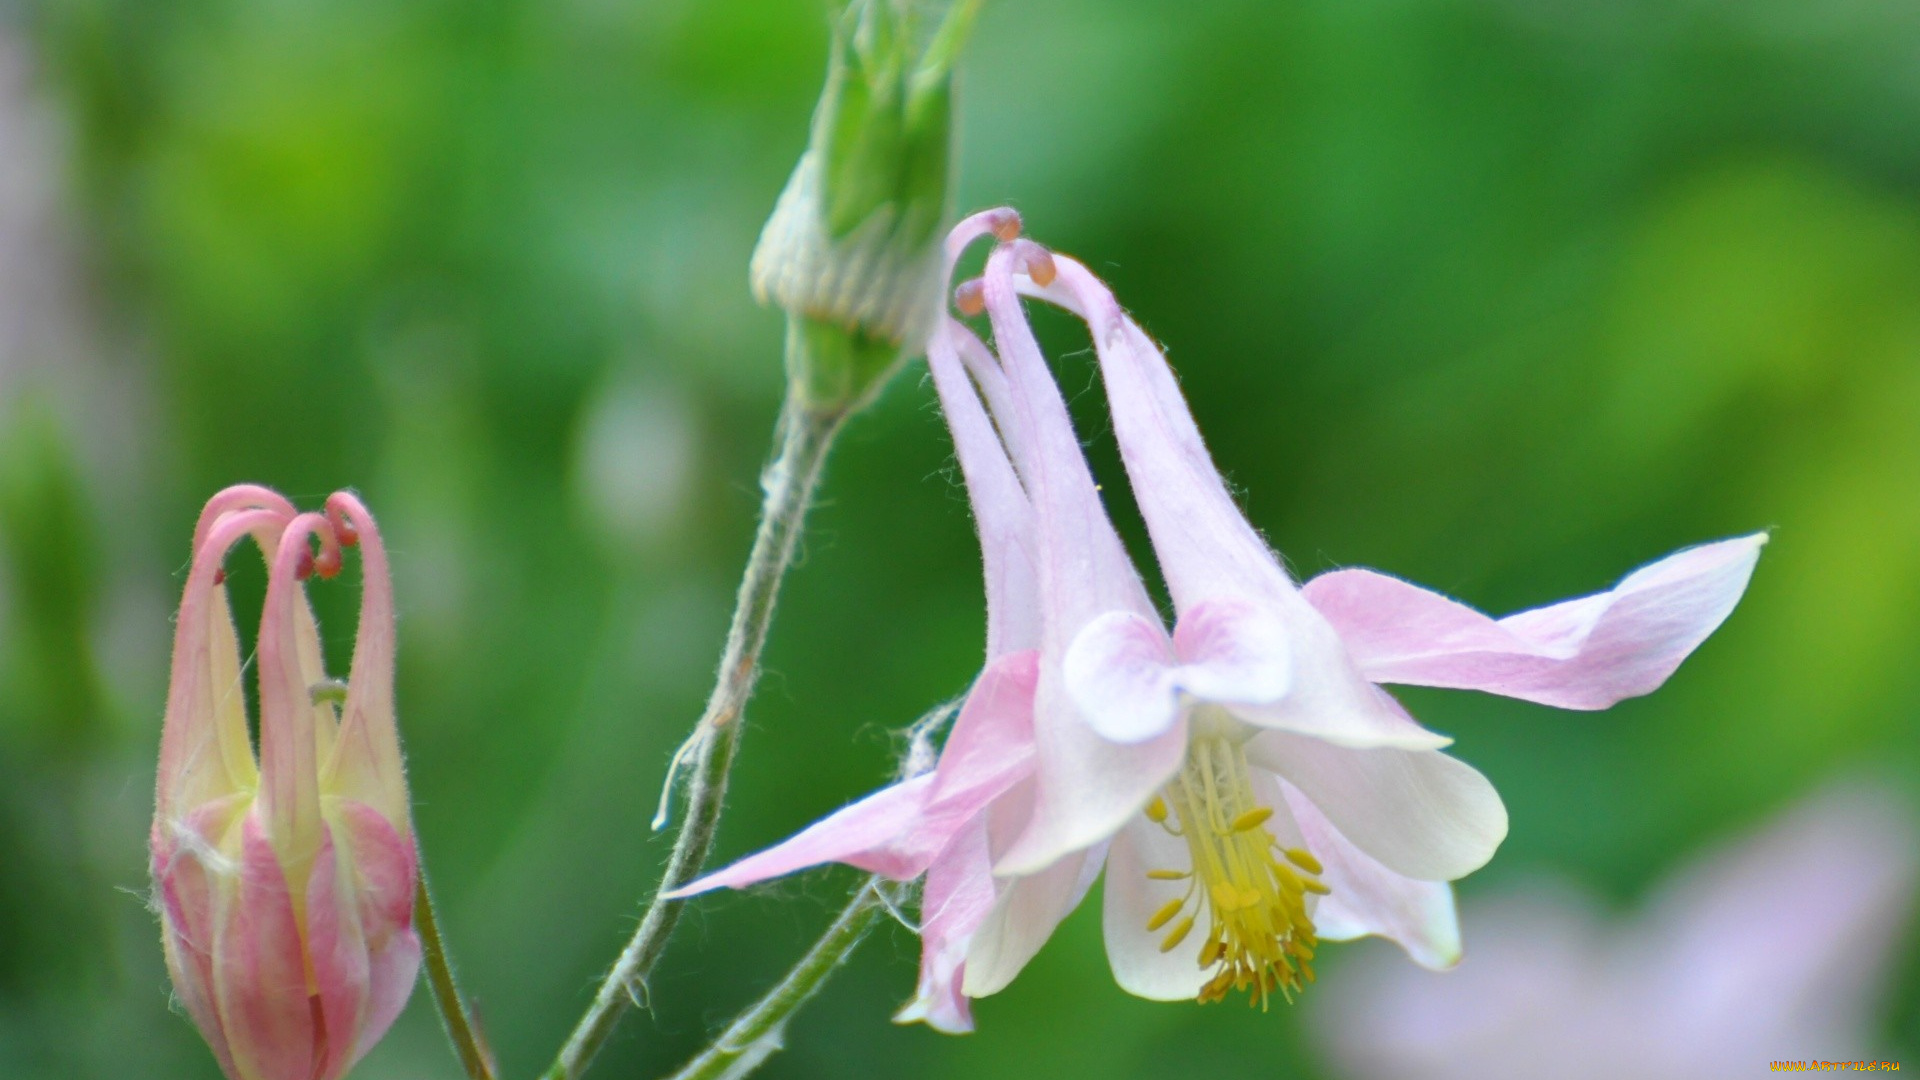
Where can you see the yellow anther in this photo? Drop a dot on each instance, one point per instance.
(1168, 875)
(1313, 886)
(1252, 819)
(1166, 913)
(1249, 888)
(1304, 860)
(1177, 935)
(1212, 952)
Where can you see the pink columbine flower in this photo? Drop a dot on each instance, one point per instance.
(285, 886)
(1248, 761)
(1774, 947)
(1244, 783)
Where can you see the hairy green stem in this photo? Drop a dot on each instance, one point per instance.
(755, 1034)
(475, 1056)
(806, 432)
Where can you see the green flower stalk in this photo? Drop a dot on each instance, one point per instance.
(851, 253)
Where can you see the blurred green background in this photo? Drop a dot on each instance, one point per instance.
(1504, 296)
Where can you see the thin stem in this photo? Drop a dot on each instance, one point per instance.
(805, 434)
(755, 1034)
(475, 1056)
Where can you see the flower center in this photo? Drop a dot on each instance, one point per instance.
(1254, 890)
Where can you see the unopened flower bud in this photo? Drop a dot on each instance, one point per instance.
(285, 883)
(852, 251)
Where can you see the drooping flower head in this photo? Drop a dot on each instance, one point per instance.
(1287, 735)
(1296, 766)
(1245, 784)
(285, 883)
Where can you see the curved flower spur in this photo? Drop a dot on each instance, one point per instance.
(285, 886)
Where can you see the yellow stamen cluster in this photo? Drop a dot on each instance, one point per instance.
(1261, 938)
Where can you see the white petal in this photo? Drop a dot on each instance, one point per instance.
(1131, 898)
(1119, 673)
(1233, 651)
(1421, 813)
(1021, 921)
(1368, 898)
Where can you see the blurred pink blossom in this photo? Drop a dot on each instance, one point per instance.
(1773, 947)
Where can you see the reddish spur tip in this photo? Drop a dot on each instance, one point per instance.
(970, 297)
(1036, 261)
(220, 576)
(303, 568)
(1005, 224)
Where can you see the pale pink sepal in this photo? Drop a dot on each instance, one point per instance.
(1586, 653)
(868, 834)
(1367, 899)
(260, 981)
(1421, 813)
(898, 830)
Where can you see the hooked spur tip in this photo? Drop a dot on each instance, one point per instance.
(1036, 261)
(1005, 223)
(970, 297)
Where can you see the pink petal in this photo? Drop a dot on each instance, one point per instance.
(289, 769)
(1233, 652)
(1000, 508)
(1205, 545)
(385, 867)
(1421, 813)
(1368, 898)
(366, 765)
(260, 981)
(1207, 550)
(1119, 673)
(1087, 785)
(1581, 654)
(387, 874)
(205, 751)
(1746, 958)
(1084, 569)
(1130, 900)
